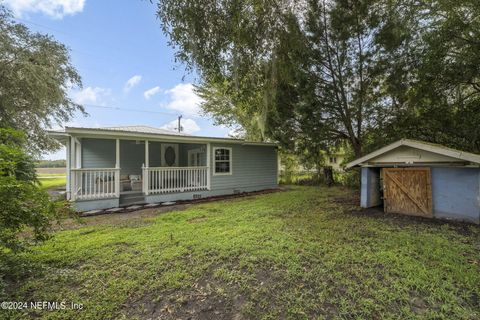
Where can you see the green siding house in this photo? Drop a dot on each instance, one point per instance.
(115, 166)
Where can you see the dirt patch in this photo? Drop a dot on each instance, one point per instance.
(141, 206)
(347, 201)
(209, 297)
(58, 192)
(197, 219)
(132, 218)
(145, 216)
(351, 206)
(206, 299)
(403, 220)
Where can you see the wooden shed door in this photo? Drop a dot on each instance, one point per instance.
(408, 191)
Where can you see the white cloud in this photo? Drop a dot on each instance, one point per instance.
(53, 8)
(132, 82)
(189, 126)
(91, 95)
(151, 92)
(184, 99)
(235, 132)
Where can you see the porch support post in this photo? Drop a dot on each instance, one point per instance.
(145, 170)
(68, 189)
(117, 168)
(78, 153)
(209, 166)
(146, 154)
(117, 153)
(72, 161)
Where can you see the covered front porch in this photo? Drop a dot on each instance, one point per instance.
(119, 168)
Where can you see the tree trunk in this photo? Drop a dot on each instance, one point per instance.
(356, 146)
(328, 174)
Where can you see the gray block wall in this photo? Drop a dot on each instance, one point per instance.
(456, 193)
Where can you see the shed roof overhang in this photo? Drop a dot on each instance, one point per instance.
(441, 156)
(107, 133)
(59, 136)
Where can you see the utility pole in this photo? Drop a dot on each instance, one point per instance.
(179, 124)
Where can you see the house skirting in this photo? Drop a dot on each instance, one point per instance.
(87, 205)
(97, 204)
(153, 198)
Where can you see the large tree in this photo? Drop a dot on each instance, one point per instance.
(311, 74)
(25, 209)
(306, 75)
(35, 77)
(442, 101)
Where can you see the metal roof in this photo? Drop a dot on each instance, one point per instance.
(137, 129)
(431, 147)
(141, 131)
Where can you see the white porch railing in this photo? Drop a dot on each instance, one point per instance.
(90, 184)
(174, 179)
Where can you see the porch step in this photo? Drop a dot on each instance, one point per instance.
(131, 198)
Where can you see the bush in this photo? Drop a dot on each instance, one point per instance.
(349, 178)
(25, 210)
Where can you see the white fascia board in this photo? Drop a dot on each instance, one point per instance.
(457, 154)
(374, 154)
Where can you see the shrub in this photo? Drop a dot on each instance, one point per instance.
(349, 178)
(25, 210)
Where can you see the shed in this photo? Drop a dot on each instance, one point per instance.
(423, 179)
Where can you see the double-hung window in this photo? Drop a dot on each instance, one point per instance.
(222, 161)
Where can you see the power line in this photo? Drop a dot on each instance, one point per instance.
(130, 109)
(113, 49)
(43, 26)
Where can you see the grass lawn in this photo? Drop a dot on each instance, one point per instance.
(301, 254)
(49, 181)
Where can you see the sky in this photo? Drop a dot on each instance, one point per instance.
(124, 61)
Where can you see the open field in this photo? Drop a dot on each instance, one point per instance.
(51, 177)
(49, 183)
(51, 171)
(301, 254)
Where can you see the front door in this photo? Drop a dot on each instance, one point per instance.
(408, 191)
(169, 155)
(195, 158)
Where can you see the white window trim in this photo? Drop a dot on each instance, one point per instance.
(230, 161)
